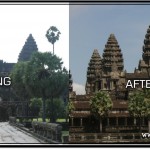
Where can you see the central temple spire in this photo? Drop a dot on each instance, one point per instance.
(28, 49)
(112, 53)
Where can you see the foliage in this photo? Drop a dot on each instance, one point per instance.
(136, 104)
(17, 77)
(4, 90)
(58, 109)
(70, 107)
(147, 102)
(47, 77)
(100, 104)
(35, 106)
(52, 35)
(44, 77)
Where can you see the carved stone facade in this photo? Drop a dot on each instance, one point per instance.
(107, 73)
(144, 64)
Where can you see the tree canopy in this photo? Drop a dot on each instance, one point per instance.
(100, 105)
(17, 76)
(136, 105)
(45, 77)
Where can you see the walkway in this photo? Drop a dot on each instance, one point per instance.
(10, 134)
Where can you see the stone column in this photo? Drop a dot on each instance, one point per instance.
(81, 122)
(133, 136)
(134, 121)
(111, 83)
(142, 121)
(125, 121)
(107, 121)
(102, 84)
(72, 121)
(116, 121)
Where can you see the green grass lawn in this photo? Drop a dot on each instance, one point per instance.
(48, 120)
(40, 120)
(64, 133)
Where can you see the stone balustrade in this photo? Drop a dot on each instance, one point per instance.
(51, 132)
(107, 138)
(12, 120)
(48, 132)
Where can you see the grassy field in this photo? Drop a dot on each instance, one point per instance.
(48, 120)
(64, 133)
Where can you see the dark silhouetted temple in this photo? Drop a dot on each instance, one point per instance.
(28, 49)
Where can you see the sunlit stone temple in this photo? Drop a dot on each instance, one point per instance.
(106, 72)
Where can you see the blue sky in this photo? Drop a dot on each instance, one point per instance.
(90, 27)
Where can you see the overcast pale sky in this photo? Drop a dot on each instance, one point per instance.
(18, 21)
(90, 27)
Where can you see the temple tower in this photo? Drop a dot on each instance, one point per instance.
(94, 73)
(112, 54)
(70, 82)
(144, 65)
(28, 49)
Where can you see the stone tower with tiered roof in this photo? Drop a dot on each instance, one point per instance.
(70, 82)
(94, 72)
(144, 64)
(112, 56)
(107, 72)
(28, 49)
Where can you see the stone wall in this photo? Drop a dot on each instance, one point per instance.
(107, 138)
(50, 132)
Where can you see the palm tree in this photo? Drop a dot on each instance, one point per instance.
(52, 35)
(100, 105)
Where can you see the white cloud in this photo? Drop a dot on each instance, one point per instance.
(78, 88)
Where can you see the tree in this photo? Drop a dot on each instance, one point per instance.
(17, 75)
(4, 90)
(45, 78)
(136, 105)
(52, 35)
(18, 86)
(100, 105)
(58, 104)
(35, 105)
(147, 105)
(70, 107)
